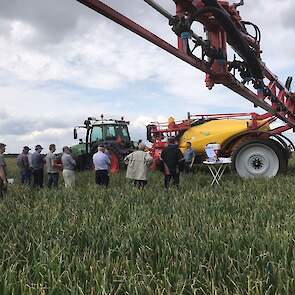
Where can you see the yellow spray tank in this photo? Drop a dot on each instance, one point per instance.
(215, 131)
(255, 149)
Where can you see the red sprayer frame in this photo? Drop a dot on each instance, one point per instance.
(223, 26)
(159, 132)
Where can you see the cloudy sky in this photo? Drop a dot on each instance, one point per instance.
(60, 62)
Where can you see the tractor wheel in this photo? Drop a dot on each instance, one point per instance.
(283, 156)
(258, 158)
(84, 162)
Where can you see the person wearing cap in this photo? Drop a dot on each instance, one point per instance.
(38, 162)
(101, 164)
(171, 157)
(138, 163)
(22, 161)
(3, 172)
(52, 167)
(69, 165)
(189, 157)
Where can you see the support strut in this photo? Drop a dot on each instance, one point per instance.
(223, 25)
(122, 20)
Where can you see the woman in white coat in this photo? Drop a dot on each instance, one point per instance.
(138, 163)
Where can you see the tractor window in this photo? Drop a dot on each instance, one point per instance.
(122, 132)
(125, 134)
(96, 134)
(110, 132)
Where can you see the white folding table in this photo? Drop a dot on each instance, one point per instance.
(217, 168)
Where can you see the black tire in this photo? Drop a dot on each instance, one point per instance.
(283, 156)
(84, 162)
(258, 158)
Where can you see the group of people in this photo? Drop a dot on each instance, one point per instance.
(137, 165)
(172, 161)
(32, 165)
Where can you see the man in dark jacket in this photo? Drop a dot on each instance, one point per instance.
(38, 161)
(171, 157)
(3, 172)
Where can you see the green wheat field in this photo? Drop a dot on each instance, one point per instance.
(238, 238)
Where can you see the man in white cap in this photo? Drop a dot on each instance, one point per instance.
(38, 161)
(52, 167)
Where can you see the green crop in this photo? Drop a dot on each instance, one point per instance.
(238, 238)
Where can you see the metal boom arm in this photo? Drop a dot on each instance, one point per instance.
(223, 26)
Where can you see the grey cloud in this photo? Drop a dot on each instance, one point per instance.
(4, 26)
(288, 20)
(15, 143)
(54, 19)
(21, 126)
(3, 115)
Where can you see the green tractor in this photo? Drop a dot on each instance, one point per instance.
(112, 134)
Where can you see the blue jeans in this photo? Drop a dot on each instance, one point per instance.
(25, 177)
(52, 180)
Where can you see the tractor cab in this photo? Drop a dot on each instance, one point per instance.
(111, 131)
(112, 134)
